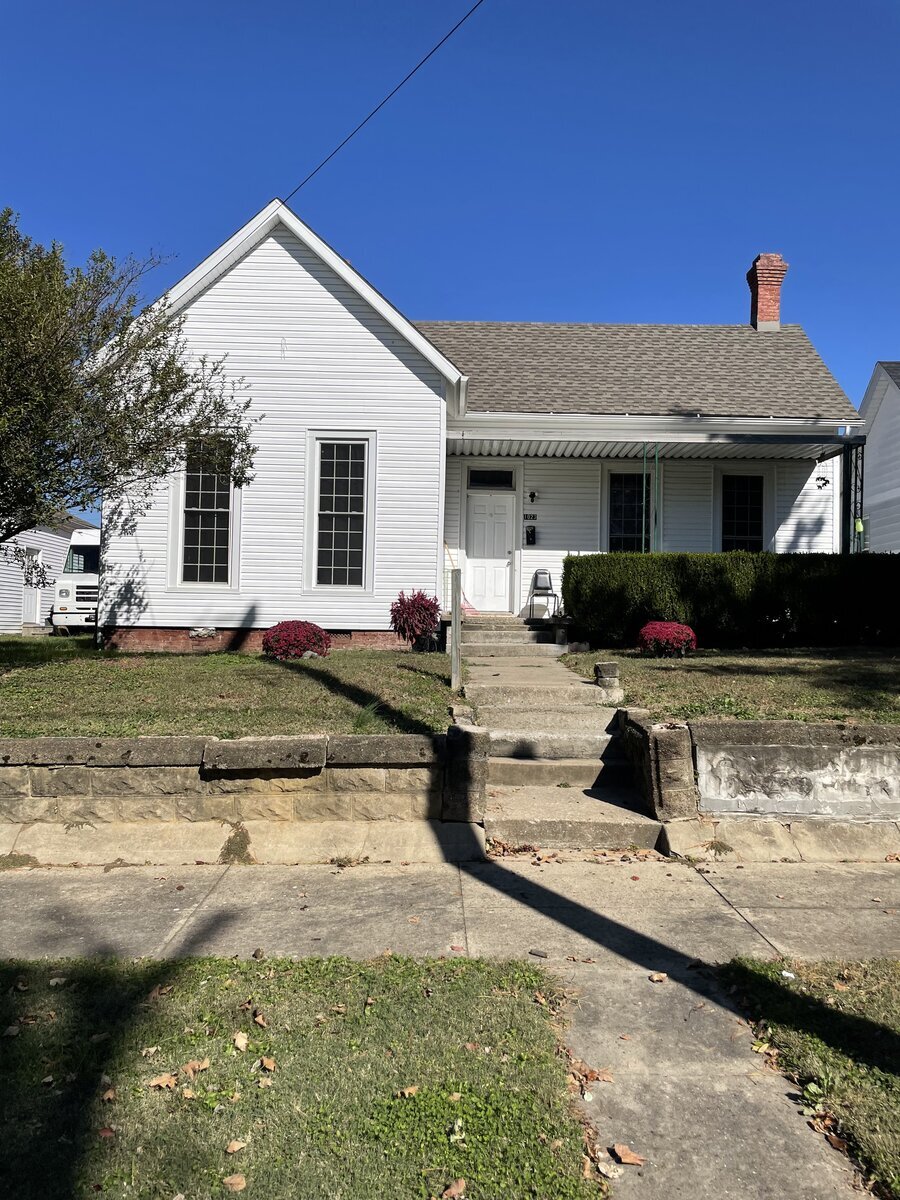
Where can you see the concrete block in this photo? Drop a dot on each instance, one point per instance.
(14, 781)
(90, 809)
(756, 839)
(396, 841)
(265, 753)
(205, 808)
(126, 842)
(413, 779)
(355, 779)
(144, 781)
(61, 781)
(264, 806)
(323, 806)
(266, 782)
(20, 809)
(845, 841)
(381, 806)
(148, 808)
(384, 749)
(425, 806)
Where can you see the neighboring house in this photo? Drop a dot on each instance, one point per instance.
(23, 605)
(391, 452)
(880, 410)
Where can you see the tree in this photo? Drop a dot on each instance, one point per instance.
(98, 396)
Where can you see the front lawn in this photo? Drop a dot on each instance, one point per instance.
(63, 687)
(835, 1029)
(321, 1078)
(801, 685)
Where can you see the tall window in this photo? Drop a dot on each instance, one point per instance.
(341, 528)
(629, 512)
(742, 512)
(207, 514)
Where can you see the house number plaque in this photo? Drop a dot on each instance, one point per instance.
(529, 516)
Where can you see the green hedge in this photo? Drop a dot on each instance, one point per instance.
(738, 599)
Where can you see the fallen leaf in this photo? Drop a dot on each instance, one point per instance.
(47, 1080)
(195, 1066)
(267, 1064)
(841, 987)
(188, 1094)
(626, 1155)
(166, 1080)
(890, 912)
(234, 1183)
(405, 1092)
(837, 1142)
(149, 1051)
(414, 920)
(635, 878)
(240, 1041)
(587, 1169)
(472, 1046)
(57, 981)
(259, 1019)
(157, 992)
(264, 1082)
(605, 1077)
(658, 977)
(109, 1095)
(625, 1037)
(456, 1188)
(234, 1146)
(11, 1031)
(370, 1000)
(106, 1132)
(454, 1096)
(540, 998)
(457, 948)
(259, 954)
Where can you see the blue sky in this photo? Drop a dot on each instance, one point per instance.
(558, 160)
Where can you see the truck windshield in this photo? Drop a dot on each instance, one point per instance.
(82, 560)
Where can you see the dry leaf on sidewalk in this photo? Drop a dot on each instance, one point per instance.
(626, 1155)
(658, 977)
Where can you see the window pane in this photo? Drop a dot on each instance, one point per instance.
(207, 515)
(340, 550)
(629, 512)
(500, 480)
(742, 512)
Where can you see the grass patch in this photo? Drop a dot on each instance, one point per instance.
(797, 685)
(835, 1029)
(63, 686)
(359, 1080)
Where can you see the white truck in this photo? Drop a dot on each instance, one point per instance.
(76, 588)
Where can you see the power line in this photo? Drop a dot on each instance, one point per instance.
(434, 49)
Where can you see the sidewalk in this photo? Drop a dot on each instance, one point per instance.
(688, 1092)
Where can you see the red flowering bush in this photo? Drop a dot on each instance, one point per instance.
(665, 638)
(292, 639)
(415, 617)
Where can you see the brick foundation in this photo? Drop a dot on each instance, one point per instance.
(160, 639)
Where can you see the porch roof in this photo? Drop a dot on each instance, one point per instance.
(557, 436)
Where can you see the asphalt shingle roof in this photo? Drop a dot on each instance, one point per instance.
(893, 369)
(656, 370)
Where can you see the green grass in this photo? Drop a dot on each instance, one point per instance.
(62, 686)
(471, 1041)
(800, 685)
(835, 1029)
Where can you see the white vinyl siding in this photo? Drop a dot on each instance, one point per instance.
(805, 510)
(313, 357)
(687, 506)
(568, 515)
(882, 473)
(53, 549)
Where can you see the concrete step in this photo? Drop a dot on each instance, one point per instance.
(493, 621)
(519, 636)
(515, 743)
(510, 649)
(586, 719)
(556, 772)
(569, 818)
(549, 697)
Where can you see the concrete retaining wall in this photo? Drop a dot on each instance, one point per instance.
(790, 768)
(89, 781)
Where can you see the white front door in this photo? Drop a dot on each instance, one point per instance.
(31, 596)
(490, 518)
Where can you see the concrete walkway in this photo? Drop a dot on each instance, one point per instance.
(688, 1092)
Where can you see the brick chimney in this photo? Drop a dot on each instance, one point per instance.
(765, 277)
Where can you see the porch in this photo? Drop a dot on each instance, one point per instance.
(518, 504)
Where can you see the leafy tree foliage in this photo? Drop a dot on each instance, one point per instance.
(98, 397)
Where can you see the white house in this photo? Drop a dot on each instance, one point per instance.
(392, 451)
(880, 410)
(22, 604)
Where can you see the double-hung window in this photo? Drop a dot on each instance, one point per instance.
(742, 512)
(629, 511)
(206, 541)
(341, 514)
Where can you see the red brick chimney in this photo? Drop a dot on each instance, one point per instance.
(765, 278)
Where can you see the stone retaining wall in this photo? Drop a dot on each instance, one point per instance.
(791, 768)
(89, 781)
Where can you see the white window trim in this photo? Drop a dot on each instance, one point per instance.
(314, 438)
(627, 467)
(176, 541)
(767, 471)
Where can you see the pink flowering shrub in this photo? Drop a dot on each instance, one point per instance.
(665, 638)
(292, 639)
(415, 617)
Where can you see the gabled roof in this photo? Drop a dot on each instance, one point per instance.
(259, 227)
(653, 370)
(893, 369)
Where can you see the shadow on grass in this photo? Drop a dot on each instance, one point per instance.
(47, 1101)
